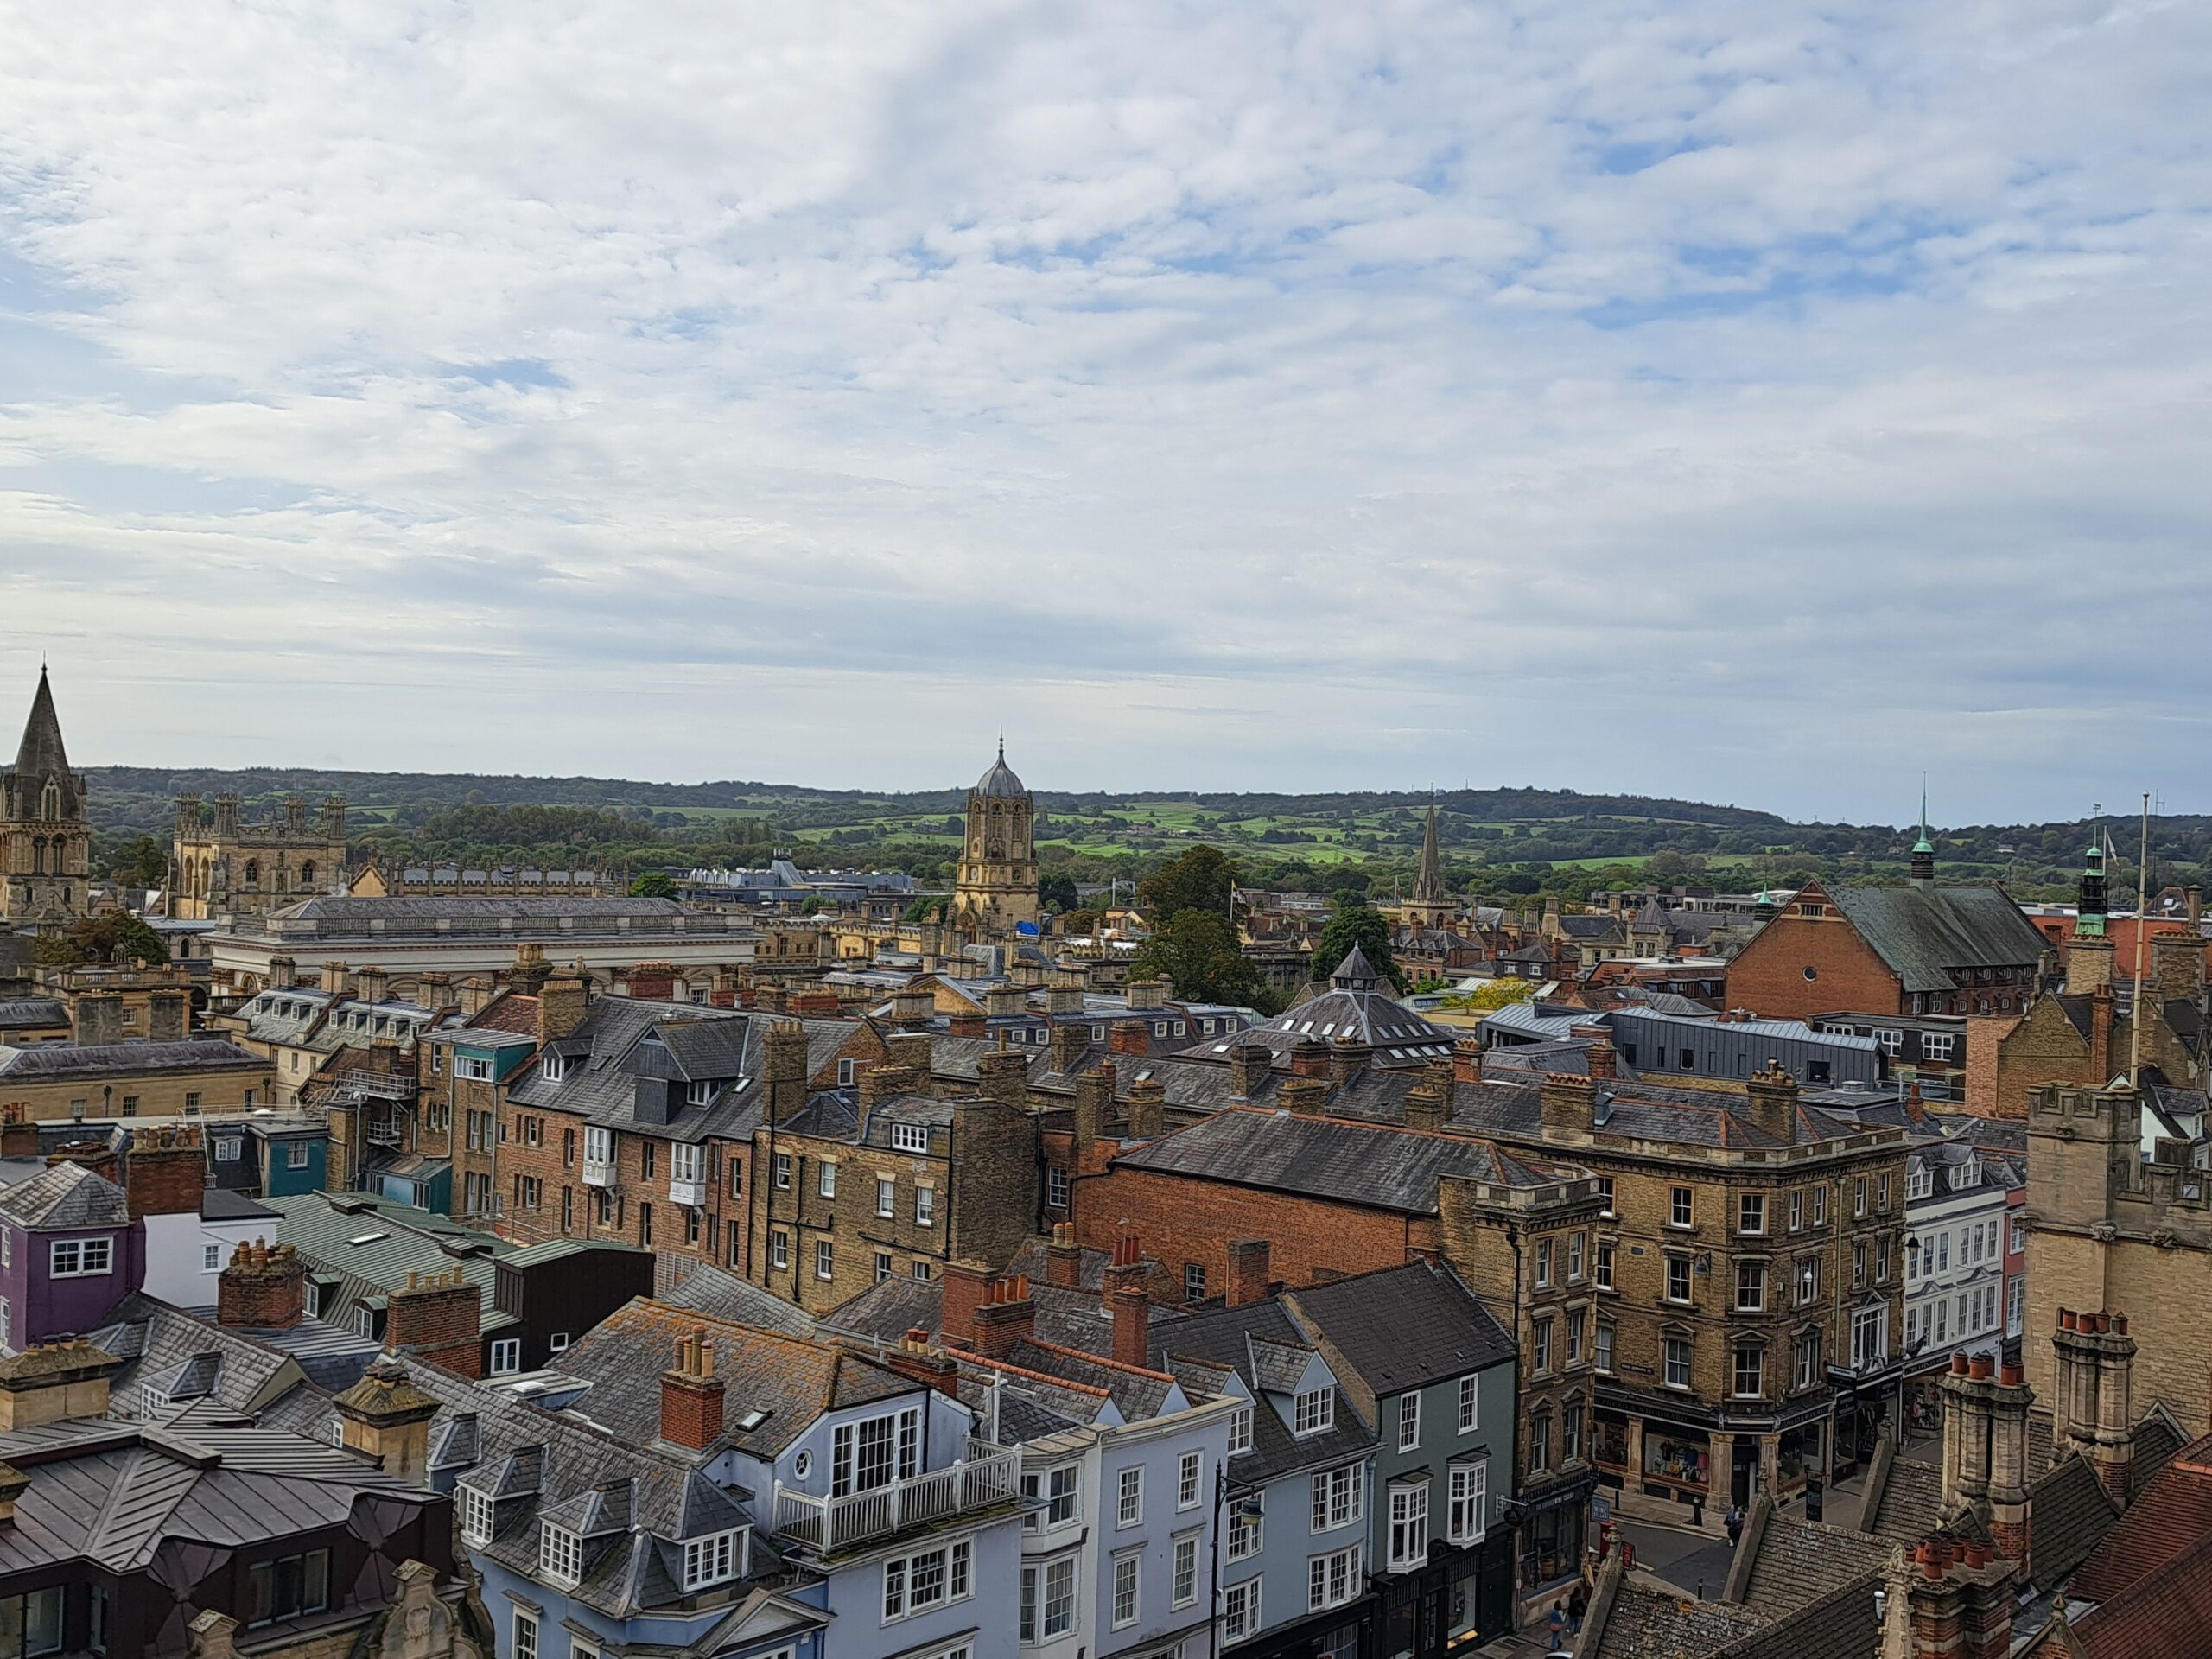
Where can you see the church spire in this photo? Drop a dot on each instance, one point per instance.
(1429, 885)
(1923, 850)
(40, 758)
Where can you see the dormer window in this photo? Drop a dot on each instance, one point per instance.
(554, 1067)
(1313, 1411)
(477, 1513)
(699, 1093)
(710, 1560)
(910, 1137)
(561, 1554)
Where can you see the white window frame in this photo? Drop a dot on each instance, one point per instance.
(953, 1566)
(1183, 1571)
(525, 1635)
(924, 1205)
(1469, 1515)
(1339, 1497)
(211, 1257)
(825, 1178)
(1128, 1498)
(710, 1560)
(1408, 1523)
(910, 1137)
(1128, 1590)
(1240, 1610)
(1239, 1430)
(560, 1555)
(479, 1516)
(1314, 1411)
(1333, 1578)
(886, 1196)
(88, 1258)
(506, 1356)
(1190, 1479)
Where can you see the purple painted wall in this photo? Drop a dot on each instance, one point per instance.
(42, 1307)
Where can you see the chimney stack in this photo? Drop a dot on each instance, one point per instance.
(1005, 1318)
(2178, 966)
(1131, 1037)
(166, 1172)
(562, 999)
(786, 1070)
(1568, 1104)
(1147, 994)
(1127, 1279)
(1309, 1057)
(967, 1287)
(530, 970)
(1770, 1102)
(263, 1288)
(917, 1357)
(1247, 1271)
(1248, 1067)
(1307, 1096)
(1094, 1104)
(1428, 1102)
(439, 1318)
(1071, 1038)
(691, 1395)
(1147, 1102)
(1064, 1258)
(1003, 1076)
(386, 1416)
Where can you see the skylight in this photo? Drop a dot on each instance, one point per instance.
(367, 1238)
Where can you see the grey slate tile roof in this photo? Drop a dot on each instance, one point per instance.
(1922, 934)
(2070, 1516)
(393, 1239)
(725, 1296)
(1256, 1341)
(1403, 1328)
(1839, 1626)
(60, 1062)
(1912, 1502)
(63, 1196)
(27, 1013)
(1649, 1622)
(1803, 1561)
(1376, 1164)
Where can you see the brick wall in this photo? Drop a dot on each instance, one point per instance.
(1767, 975)
(541, 1189)
(1184, 1221)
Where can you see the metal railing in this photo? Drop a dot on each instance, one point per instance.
(383, 1085)
(983, 1479)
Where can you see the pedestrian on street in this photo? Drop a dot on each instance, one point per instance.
(1557, 1622)
(1577, 1604)
(1735, 1524)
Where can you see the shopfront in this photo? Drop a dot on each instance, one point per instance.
(1460, 1599)
(1553, 1530)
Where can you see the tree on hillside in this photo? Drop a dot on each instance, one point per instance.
(111, 938)
(1058, 892)
(1361, 925)
(653, 884)
(1196, 953)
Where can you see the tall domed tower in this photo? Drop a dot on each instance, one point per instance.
(996, 885)
(45, 843)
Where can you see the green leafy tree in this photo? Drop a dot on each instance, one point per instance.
(141, 862)
(1197, 954)
(1057, 892)
(111, 938)
(1200, 880)
(653, 884)
(1361, 925)
(1494, 994)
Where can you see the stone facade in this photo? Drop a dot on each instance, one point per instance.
(2108, 1228)
(222, 866)
(45, 841)
(995, 886)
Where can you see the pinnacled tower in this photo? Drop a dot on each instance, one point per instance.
(995, 886)
(45, 843)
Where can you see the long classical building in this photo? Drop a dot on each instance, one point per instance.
(407, 938)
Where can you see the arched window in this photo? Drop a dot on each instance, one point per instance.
(306, 873)
(252, 872)
(49, 802)
(38, 856)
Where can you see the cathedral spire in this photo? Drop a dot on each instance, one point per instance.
(40, 758)
(1923, 850)
(1429, 885)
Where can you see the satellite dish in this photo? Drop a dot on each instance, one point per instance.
(1028, 930)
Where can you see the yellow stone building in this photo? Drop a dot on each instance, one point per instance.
(222, 866)
(995, 886)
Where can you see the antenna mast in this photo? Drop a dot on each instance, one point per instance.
(2137, 1001)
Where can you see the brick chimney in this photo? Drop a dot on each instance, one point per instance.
(692, 1395)
(967, 1285)
(1958, 1600)
(912, 1007)
(166, 1174)
(2101, 1014)
(263, 1288)
(1568, 1104)
(1064, 1258)
(1247, 1271)
(1094, 1106)
(1065, 996)
(916, 1357)
(2008, 1400)
(2088, 964)
(1770, 1102)
(1467, 1060)
(284, 973)
(528, 976)
(438, 1318)
(95, 1155)
(1147, 994)
(1605, 1063)
(375, 985)
(562, 999)
(1005, 1317)
(1003, 1076)
(2094, 1408)
(1070, 1039)
(1348, 1057)
(2178, 966)
(1128, 1281)
(1309, 1057)
(1248, 1066)
(1307, 1096)
(1005, 1002)
(786, 1070)
(1148, 1103)
(652, 981)
(18, 1133)
(1130, 1037)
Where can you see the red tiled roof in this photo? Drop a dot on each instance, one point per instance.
(2171, 1517)
(512, 1012)
(2163, 1615)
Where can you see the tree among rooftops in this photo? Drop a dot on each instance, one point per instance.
(1360, 925)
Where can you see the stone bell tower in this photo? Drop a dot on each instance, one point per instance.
(995, 886)
(45, 841)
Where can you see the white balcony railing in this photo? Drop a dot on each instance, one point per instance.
(826, 1525)
(598, 1171)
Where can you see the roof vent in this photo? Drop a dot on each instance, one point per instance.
(752, 1420)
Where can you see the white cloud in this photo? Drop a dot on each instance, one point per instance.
(1717, 399)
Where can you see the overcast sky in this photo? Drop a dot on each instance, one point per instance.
(1729, 400)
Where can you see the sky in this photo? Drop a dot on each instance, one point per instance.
(1749, 402)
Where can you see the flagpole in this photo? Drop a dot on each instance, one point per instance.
(2137, 1003)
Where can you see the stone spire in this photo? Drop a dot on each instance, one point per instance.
(1428, 886)
(41, 758)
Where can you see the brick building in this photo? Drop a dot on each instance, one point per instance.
(1915, 949)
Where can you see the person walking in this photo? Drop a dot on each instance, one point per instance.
(1735, 1524)
(1577, 1604)
(1557, 1622)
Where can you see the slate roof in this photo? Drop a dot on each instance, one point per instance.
(709, 1290)
(792, 1378)
(31, 1013)
(1803, 1561)
(1841, 1624)
(114, 1493)
(2069, 1516)
(60, 1062)
(1922, 934)
(187, 1354)
(1404, 1327)
(1649, 1622)
(1375, 1165)
(220, 1204)
(1910, 1502)
(336, 908)
(64, 1196)
(42, 755)
(394, 1240)
(1252, 1341)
